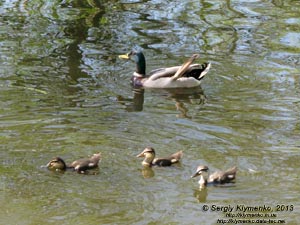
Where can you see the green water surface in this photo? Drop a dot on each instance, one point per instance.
(64, 92)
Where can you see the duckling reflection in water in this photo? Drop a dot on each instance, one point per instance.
(201, 194)
(218, 177)
(80, 165)
(147, 172)
(150, 160)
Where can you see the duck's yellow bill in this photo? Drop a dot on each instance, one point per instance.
(124, 56)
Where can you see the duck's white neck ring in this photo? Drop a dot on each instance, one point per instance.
(138, 74)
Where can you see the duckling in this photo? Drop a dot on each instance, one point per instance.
(85, 164)
(218, 177)
(150, 160)
(80, 165)
(57, 164)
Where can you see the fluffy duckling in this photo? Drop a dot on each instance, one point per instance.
(80, 165)
(57, 164)
(218, 177)
(150, 160)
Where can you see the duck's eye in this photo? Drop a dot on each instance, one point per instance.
(132, 53)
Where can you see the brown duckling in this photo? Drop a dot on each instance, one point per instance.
(150, 160)
(218, 177)
(57, 164)
(79, 165)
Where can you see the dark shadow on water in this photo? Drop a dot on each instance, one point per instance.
(181, 97)
(136, 103)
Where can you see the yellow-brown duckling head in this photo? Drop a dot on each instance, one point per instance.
(202, 171)
(149, 155)
(57, 164)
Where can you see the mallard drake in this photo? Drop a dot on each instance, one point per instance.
(186, 76)
(80, 165)
(218, 177)
(150, 160)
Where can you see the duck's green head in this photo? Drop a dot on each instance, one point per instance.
(139, 58)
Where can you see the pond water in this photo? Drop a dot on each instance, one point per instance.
(64, 92)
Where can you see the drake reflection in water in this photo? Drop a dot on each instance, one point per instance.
(179, 96)
(136, 103)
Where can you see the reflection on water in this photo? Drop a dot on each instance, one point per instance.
(181, 97)
(64, 92)
(147, 172)
(136, 103)
(201, 194)
(188, 96)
